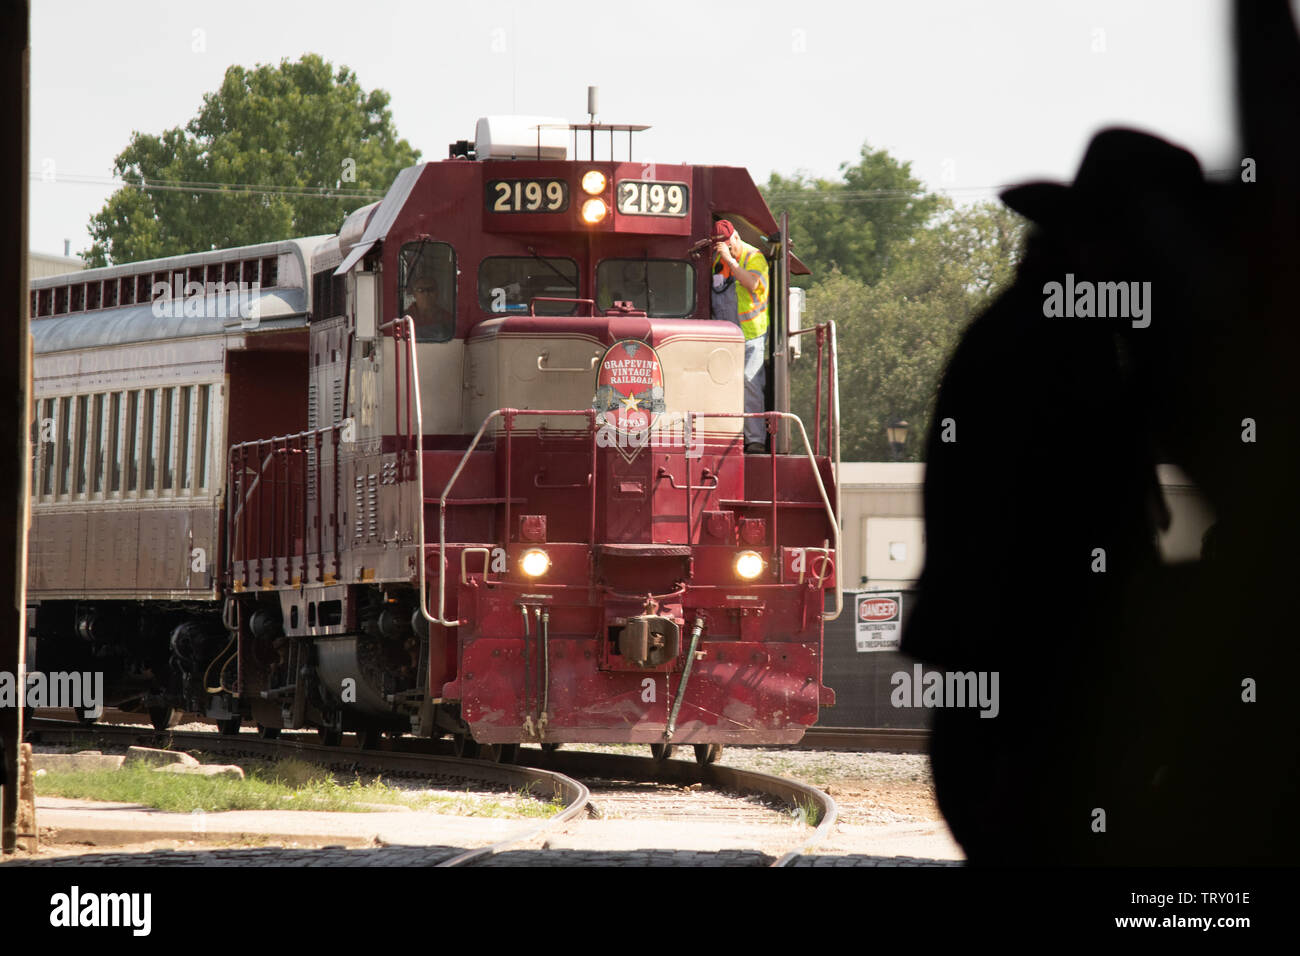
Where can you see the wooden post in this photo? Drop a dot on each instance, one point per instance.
(15, 364)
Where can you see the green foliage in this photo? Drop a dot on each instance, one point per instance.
(293, 127)
(853, 225)
(896, 335)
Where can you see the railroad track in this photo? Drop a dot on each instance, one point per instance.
(541, 773)
(888, 739)
(540, 782)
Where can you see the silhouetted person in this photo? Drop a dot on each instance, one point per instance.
(1145, 712)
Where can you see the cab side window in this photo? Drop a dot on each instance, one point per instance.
(426, 289)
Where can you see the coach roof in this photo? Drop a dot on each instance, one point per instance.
(283, 305)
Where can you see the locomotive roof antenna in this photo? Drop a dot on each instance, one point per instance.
(593, 96)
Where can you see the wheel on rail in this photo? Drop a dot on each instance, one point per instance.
(230, 725)
(707, 753)
(662, 751)
(84, 718)
(329, 737)
(463, 745)
(161, 717)
(370, 738)
(267, 733)
(550, 748)
(499, 753)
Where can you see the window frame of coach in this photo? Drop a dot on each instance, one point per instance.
(135, 444)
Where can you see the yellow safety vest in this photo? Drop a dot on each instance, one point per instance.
(752, 306)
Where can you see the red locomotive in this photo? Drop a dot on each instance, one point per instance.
(474, 466)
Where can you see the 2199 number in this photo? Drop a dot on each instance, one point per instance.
(643, 198)
(528, 195)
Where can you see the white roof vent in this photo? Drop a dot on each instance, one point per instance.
(519, 137)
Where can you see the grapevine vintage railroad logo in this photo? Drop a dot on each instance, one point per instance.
(629, 395)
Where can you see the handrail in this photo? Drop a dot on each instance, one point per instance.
(672, 482)
(595, 359)
(532, 303)
(441, 619)
(822, 330)
(821, 489)
(238, 534)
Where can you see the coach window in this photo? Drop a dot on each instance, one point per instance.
(507, 284)
(115, 443)
(184, 433)
(662, 288)
(65, 427)
(426, 290)
(98, 443)
(167, 425)
(47, 433)
(148, 445)
(79, 448)
(34, 446)
(205, 404)
(132, 441)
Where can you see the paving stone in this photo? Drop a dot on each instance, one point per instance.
(203, 770)
(79, 761)
(158, 758)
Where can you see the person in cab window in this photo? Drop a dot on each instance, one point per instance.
(737, 259)
(434, 322)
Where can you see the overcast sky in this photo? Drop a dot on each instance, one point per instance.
(973, 94)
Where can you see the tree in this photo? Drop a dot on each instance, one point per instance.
(895, 336)
(853, 225)
(323, 144)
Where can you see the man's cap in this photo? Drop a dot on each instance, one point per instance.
(723, 229)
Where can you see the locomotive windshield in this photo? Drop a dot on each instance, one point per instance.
(508, 283)
(662, 288)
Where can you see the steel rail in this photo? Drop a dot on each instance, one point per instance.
(890, 739)
(801, 797)
(537, 780)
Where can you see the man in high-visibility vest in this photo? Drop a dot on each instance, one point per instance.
(748, 267)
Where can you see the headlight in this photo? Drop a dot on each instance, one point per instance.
(749, 564)
(535, 562)
(593, 183)
(593, 211)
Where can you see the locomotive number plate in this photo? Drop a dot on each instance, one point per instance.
(638, 197)
(527, 195)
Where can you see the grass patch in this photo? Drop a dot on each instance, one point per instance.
(286, 785)
(809, 811)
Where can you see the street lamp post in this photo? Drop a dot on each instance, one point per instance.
(896, 432)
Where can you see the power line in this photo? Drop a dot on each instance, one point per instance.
(250, 189)
(835, 193)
